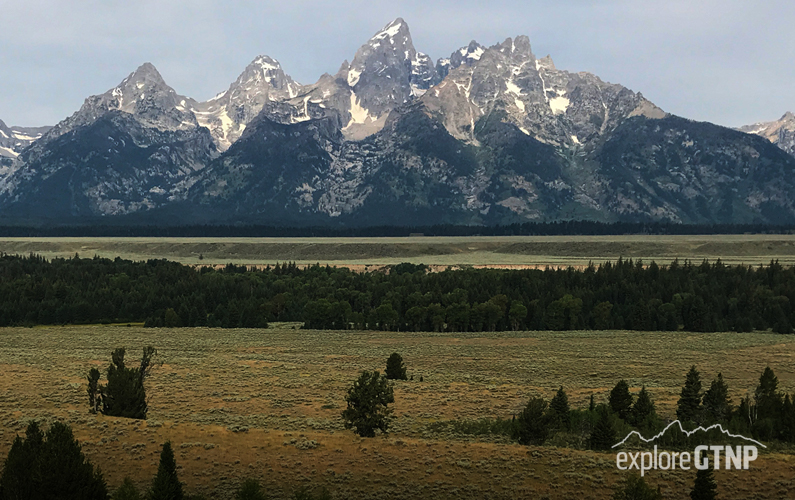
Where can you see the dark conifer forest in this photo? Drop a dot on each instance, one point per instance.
(622, 295)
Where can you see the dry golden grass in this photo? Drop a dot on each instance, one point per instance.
(248, 403)
(442, 251)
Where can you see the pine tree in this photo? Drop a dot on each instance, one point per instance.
(532, 426)
(704, 487)
(22, 473)
(395, 369)
(127, 491)
(559, 410)
(768, 399)
(66, 470)
(42, 464)
(603, 435)
(368, 399)
(166, 485)
(621, 400)
(643, 410)
(125, 395)
(716, 401)
(688, 408)
(591, 404)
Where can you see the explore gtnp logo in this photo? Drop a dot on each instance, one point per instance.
(734, 457)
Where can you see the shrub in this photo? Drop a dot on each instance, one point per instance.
(250, 490)
(634, 487)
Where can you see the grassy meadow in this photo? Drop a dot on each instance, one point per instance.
(266, 404)
(497, 251)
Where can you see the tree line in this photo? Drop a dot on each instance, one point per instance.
(625, 294)
(552, 228)
(766, 415)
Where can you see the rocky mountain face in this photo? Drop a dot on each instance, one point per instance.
(780, 132)
(490, 135)
(14, 139)
(119, 153)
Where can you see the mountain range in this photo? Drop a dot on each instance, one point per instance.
(489, 135)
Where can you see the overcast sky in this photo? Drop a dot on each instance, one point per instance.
(729, 61)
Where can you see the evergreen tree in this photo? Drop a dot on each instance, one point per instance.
(532, 426)
(621, 400)
(127, 491)
(603, 435)
(367, 404)
(125, 395)
(53, 464)
(716, 401)
(166, 485)
(560, 411)
(395, 369)
(704, 487)
(250, 490)
(591, 404)
(643, 410)
(768, 399)
(634, 487)
(22, 474)
(688, 408)
(66, 470)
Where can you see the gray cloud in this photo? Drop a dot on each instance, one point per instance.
(723, 61)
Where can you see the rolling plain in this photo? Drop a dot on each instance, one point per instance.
(266, 404)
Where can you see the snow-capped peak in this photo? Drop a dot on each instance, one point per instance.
(391, 30)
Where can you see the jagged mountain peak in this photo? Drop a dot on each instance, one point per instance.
(389, 46)
(516, 46)
(227, 114)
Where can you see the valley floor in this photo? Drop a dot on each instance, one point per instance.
(250, 403)
(366, 253)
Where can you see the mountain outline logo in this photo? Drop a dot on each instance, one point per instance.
(687, 433)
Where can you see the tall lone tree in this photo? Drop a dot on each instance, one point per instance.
(166, 485)
(395, 369)
(621, 400)
(368, 404)
(124, 395)
(688, 408)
